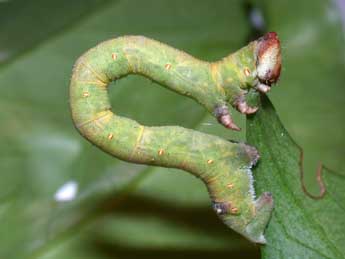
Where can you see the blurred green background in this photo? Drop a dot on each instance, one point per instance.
(123, 210)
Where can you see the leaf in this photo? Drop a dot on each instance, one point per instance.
(310, 96)
(301, 227)
(21, 22)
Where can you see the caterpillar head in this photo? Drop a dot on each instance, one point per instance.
(268, 67)
(269, 59)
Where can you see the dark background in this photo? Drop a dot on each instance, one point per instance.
(128, 211)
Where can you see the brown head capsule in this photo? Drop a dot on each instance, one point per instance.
(269, 58)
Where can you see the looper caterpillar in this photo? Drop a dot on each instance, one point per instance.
(222, 165)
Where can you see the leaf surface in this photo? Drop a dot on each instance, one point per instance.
(301, 227)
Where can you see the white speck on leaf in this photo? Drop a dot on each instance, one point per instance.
(257, 19)
(67, 192)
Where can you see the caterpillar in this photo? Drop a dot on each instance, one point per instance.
(224, 166)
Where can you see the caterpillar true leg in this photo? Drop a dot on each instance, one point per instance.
(222, 165)
(242, 106)
(263, 88)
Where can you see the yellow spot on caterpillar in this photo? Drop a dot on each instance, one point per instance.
(86, 94)
(230, 185)
(246, 72)
(234, 210)
(210, 161)
(160, 152)
(167, 66)
(110, 136)
(114, 56)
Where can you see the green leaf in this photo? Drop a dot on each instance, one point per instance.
(310, 95)
(26, 24)
(301, 227)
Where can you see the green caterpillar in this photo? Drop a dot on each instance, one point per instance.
(222, 165)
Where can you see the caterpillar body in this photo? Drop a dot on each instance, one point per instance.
(222, 165)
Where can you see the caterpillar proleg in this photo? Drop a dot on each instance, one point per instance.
(224, 167)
